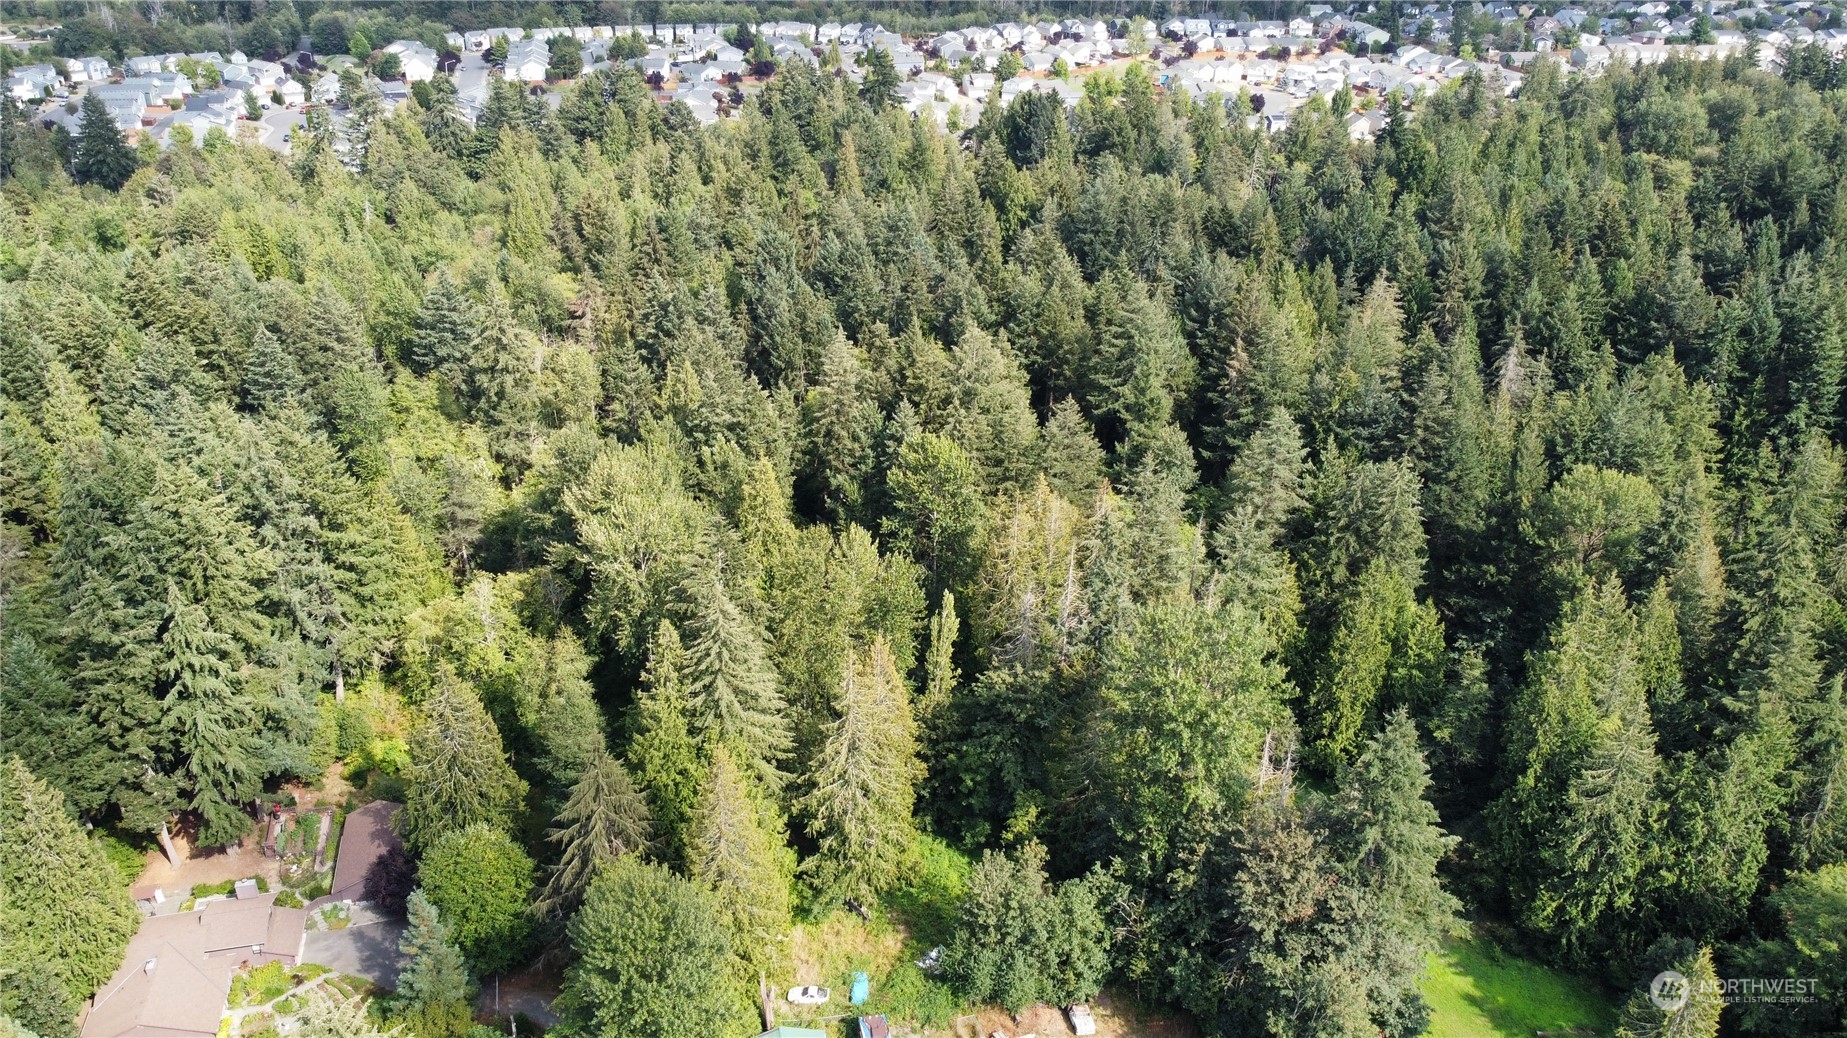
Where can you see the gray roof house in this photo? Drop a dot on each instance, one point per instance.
(176, 973)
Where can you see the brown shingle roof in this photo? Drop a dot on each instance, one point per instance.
(177, 971)
(369, 834)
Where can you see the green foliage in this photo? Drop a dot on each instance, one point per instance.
(480, 882)
(433, 990)
(1020, 941)
(651, 957)
(65, 914)
(459, 775)
(863, 785)
(1141, 439)
(735, 847)
(604, 819)
(101, 156)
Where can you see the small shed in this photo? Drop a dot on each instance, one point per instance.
(785, 1031)
(874, 1027)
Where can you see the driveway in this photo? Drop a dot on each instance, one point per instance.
(368, 950)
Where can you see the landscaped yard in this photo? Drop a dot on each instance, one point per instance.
(1476, 991)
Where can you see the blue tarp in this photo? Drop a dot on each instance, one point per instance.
(862, 989)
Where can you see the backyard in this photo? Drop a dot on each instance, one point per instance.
(1475, 990)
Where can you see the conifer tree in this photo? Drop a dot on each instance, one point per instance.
(605, 818)
(272, 382)
(459, 775)
(1073, 461)
(879, 88)
(1386, 651)
(662, 751)
(841, 420)
(447, 329)
(102, 155)
(432, 989)
(327, 1015)
(863, 783)
(940, 673)
(731, 693)
(1385, 841)
(1576, 822)
(64, 909)
(1696, 1002)
(735, 850)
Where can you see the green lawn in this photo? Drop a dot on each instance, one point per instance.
(1475, 992)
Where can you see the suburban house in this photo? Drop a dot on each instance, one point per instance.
(417, 61)
(30, 82)
(87, 70)
(176, 974)
(369, 836)
(527, 61)
(291, 93)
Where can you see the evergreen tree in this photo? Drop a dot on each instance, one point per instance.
(64, 909)
(447, 330)
(1386, 843)
(863, 782)
(604, 819)
(651, 957)
(735, 849)
(433, 990)
(1698, 997)
(731, 693)
(459, 775)
(662, 751)
(879, 88)
(101, 156)
(1576, 822)
(272, 382)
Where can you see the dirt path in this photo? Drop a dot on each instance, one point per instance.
(212, 865)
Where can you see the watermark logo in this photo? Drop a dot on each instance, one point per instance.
(1669, 991)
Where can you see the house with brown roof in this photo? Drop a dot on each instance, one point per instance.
(370, 835)
(176, 974)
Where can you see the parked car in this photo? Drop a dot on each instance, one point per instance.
(808, 995)
(1082, 1023)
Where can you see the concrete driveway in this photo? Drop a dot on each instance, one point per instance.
(368, 950)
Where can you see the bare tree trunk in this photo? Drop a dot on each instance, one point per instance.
(166, 844)
(339, 681)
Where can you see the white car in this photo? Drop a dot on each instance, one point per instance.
(1082, 1023)
(808, 995)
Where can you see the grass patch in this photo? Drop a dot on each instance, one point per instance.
(200, 890)
(905, 924)
(1475, 990)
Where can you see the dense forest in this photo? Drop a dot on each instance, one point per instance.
(1261, 555)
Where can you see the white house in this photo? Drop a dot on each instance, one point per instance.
(327, 89)
(30, 82)
(527, 62)
(416, 61)
(87, 70)
(291, 93)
